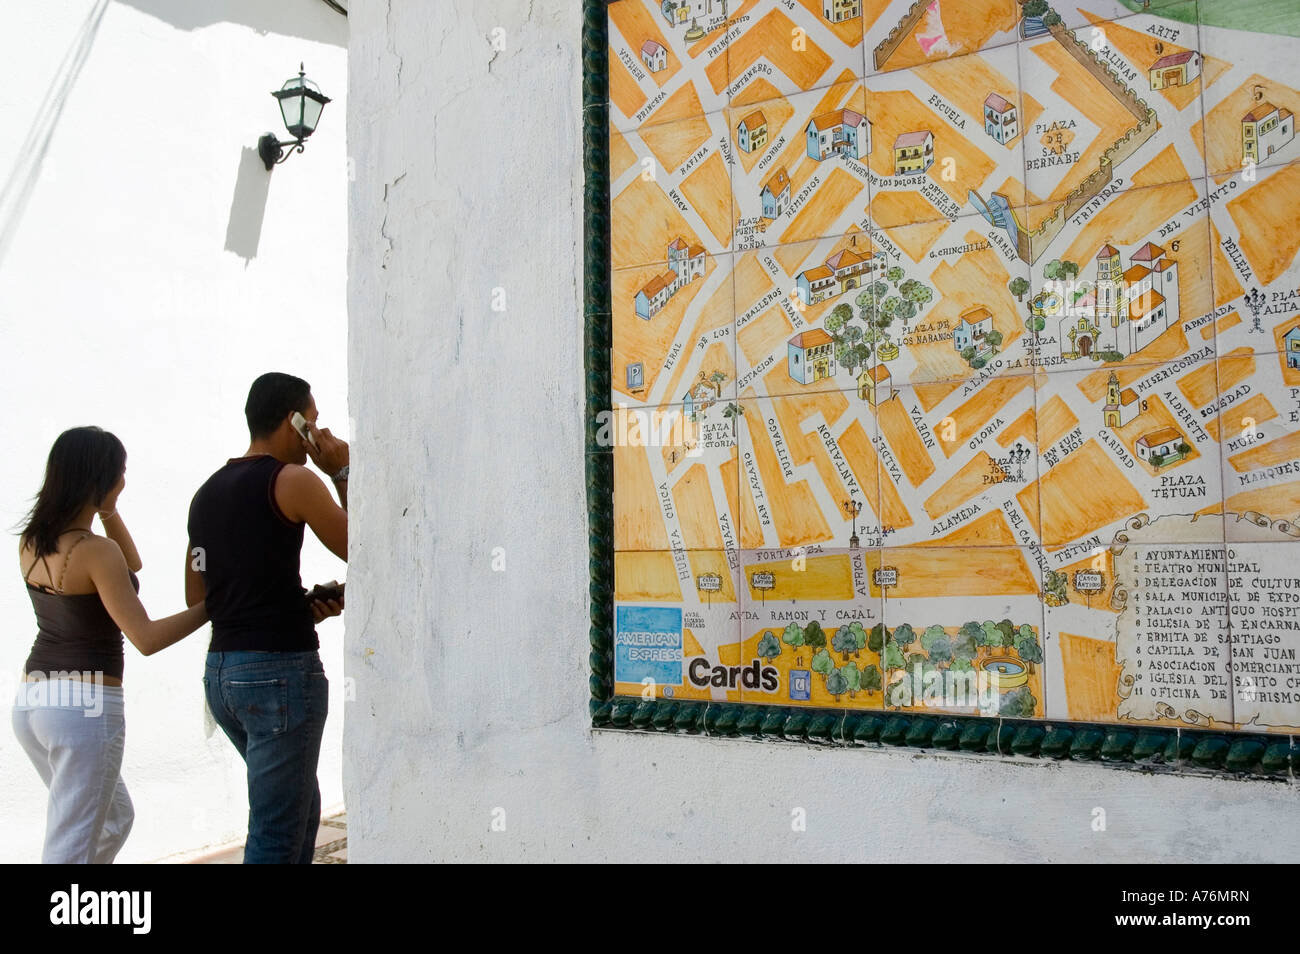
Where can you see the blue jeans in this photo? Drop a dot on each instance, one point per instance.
(272, 706)
(74, 733)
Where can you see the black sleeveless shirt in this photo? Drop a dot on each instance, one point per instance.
(249, 560)
(74, 633)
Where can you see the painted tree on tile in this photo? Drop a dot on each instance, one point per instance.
(859, 637)
(915, 291)
(965, 645)
(1018, 704)
(937, 647)
(1027, 647)
(871, 678)
(814, 635)
(836, 684)
(852, 678)
(839, 315)
(732, 413)
(904, 635)
(822, 663)
(1007, 631)
(990, 636)
(842, 642)
(1061, 271)
(793, 637)
(849, 640)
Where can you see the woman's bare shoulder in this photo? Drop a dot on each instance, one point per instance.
(100, 551)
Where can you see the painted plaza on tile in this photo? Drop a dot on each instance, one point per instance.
(955, 357)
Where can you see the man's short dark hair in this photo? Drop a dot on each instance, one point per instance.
(272, 398)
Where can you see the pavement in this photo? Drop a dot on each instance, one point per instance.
(331, 846)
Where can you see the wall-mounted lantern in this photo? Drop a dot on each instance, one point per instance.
(301, 102)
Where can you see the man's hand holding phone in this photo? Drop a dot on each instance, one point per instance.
(326, 451)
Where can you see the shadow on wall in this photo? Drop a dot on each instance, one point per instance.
(248, 206)
(26, 172)
(309, 19)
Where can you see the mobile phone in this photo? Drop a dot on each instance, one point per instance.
(326, 591)
(300, 425)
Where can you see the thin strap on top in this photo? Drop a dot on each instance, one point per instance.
(67, 557)
(28, 574)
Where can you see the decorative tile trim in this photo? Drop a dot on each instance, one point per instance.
(1148, 749)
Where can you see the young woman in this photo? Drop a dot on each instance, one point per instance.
(69, 712)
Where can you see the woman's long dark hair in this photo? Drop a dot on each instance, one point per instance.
(84, 465)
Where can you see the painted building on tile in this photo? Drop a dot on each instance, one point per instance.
(811, 356)
(1077, 331)
(875, 385)
(1149, 303)
(1121, 406)
(685, 264)
(1291, 346)
(815, 284)
(654, 56)
(850, 268)
(678, 12)
(972, 331)
(1000, 119)
(698, 399)
(1128, 308)
(842, 132)
(913, 152)
(775, 194)
(842, 271)
(837, 11)
(751, 132)
(1160, 444)
(1176, 69)
(1265, 130)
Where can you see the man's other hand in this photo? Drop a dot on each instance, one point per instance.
(323, 609)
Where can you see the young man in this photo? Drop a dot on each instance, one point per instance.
(264, 681)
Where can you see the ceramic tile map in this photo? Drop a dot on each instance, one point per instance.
(956, 356)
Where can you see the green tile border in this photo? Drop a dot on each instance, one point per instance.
(1152, 749)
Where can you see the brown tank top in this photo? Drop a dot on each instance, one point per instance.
(75, 633)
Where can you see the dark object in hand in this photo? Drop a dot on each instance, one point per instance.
(321, 592)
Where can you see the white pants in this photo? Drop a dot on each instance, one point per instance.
(75, 734)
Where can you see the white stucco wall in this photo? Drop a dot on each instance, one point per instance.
(150, 268)
(472, 684)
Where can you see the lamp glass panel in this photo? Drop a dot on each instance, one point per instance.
(291, 110)
(311, 111)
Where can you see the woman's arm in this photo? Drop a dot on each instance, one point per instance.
(115, 527)
(108, 571)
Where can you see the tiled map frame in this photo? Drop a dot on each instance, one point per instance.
(1169, 746)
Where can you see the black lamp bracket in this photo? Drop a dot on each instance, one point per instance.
(273, 152)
